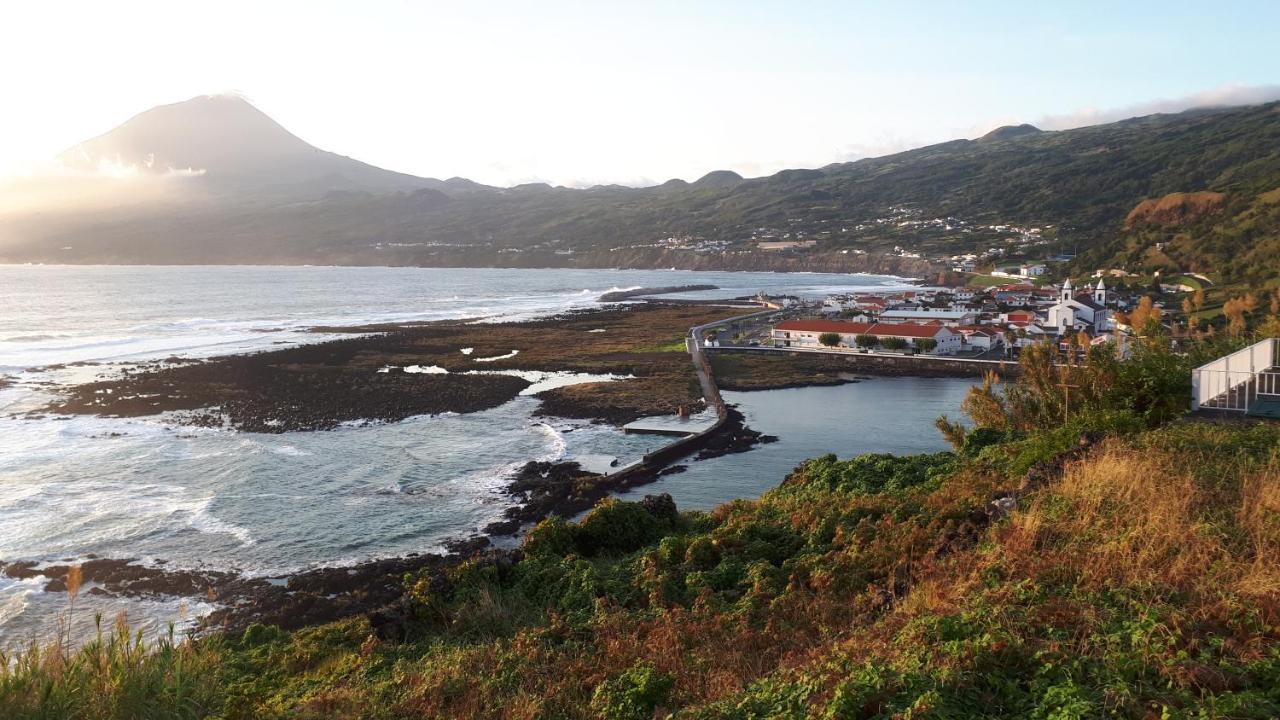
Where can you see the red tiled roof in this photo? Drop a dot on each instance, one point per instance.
(906, 330)
(850, 328)
(821, 326)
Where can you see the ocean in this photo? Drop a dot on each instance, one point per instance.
(267, 505)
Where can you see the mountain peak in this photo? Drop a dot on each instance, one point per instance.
(234, 147)
(1009, 132)
(718, 178)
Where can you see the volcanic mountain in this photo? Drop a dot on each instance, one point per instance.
(234, 149)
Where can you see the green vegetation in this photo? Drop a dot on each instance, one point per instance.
(986, 281)
(673, 346)
(1136, 575)
(829, 339)
(1236, 238)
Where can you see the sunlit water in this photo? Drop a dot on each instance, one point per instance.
(269, 504)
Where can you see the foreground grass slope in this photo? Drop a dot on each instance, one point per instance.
(1130, 568)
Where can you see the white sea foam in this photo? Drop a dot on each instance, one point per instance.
(204, 521)
(558, 445)
(542, 380)
(426, 370)
(289, 450)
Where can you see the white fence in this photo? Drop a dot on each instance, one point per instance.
(1233, 382)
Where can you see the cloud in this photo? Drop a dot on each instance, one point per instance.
(56, 186)
(1223, 96)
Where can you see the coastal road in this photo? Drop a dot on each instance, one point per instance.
(693, 342)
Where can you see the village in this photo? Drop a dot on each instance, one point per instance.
(991, 323)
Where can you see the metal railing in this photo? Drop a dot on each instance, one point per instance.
(1234, 381)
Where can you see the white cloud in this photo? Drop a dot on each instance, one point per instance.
(1223, 96)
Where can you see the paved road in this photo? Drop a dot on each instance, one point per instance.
(693, 343)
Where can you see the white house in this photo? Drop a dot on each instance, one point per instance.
(1032, 270)
(981, 338)
(805, 334)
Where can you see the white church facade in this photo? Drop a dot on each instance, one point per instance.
(1080, 312)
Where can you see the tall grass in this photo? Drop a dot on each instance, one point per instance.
(116, 675)
(1147, 516)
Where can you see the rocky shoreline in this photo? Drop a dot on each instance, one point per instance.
(276, 391)
(619, 295)
(389, 373)
(373, 587)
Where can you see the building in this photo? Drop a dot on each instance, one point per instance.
(982, 338)
(1032, 270)
(805, 333)
(1080, 312)
(785, 244)
(1022, 317)
(947, 317)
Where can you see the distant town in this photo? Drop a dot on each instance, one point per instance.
(991, 323)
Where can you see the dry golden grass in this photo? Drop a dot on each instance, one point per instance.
(1142, 517)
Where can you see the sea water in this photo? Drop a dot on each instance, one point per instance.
(266, 505)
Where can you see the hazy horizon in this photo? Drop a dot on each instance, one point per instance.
(580, 95)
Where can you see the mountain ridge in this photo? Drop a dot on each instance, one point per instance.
(1081, 183)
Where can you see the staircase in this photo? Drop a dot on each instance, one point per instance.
(1246, 381)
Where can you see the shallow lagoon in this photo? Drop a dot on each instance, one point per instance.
(877, 415)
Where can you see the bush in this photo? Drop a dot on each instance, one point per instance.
(866, 341)
(633, 695)
(829, 339)
(872, 473)
(612, 527)
(894, 343)
(615, 526)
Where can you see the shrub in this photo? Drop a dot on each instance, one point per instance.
(870, 474)
(829, 339)
(615, 526)
(633, 695)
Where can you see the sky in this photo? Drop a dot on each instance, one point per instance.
(581, 93)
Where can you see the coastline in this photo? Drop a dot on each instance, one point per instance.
(325, 593)
(906, 269)
(540, 489)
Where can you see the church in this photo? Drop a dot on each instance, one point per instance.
(1081, 312)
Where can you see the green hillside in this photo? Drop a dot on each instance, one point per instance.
(1234, 240)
